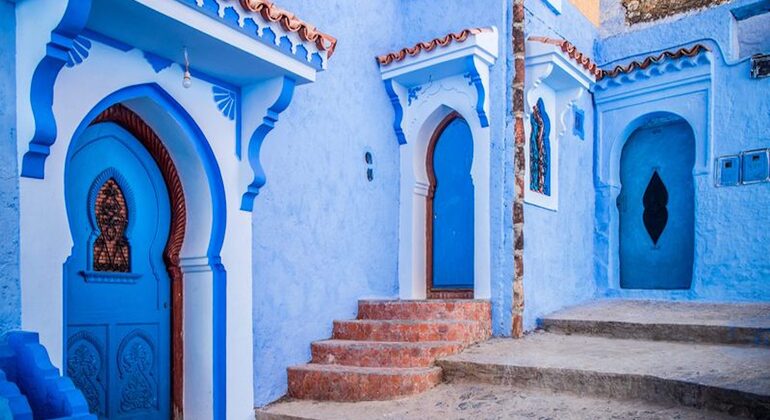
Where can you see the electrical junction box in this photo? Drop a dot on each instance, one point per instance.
(756, 166)
(728, 171)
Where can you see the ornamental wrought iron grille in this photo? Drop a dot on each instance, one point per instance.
(111, 248)
(540, 150)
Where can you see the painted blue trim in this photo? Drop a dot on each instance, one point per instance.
(255, 143)
(413, 93)
(239, 124)
(33, 163)
(578, 127)
(220, 336)
(398, 118)
(43, 79)
(225, 100)
(155, 93)
(250, 27)
(106, 40)
(12, 402)
(157, 62)
(474, 79)
(48, 393)
(79, 51)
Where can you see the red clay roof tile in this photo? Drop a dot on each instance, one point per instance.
(272, 13)
(573, 53)
(400, 55)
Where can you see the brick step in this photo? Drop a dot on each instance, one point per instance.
(349, 383)
(397, 330)
(382, 353)
(451, 309)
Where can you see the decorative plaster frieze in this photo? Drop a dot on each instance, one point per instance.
(409, 73)
(283, 92)
(276, 27)
(651, 67)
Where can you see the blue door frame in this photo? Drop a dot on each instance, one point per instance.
(450, 211)
(117, 289)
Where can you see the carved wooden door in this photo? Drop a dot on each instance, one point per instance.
(117, 290)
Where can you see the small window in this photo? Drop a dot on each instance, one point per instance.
(540, 150)
(111, 249)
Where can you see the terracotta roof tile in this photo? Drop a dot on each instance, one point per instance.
(272, 13)
(572, 52)
(654, 59)
(400, 55)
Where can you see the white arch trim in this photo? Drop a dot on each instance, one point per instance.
(43, 215)
(424, 90)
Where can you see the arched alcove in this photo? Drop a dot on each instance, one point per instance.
(198, 256)
(655, 204)
(449, 210)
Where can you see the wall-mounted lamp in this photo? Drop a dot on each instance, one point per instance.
(187, 79)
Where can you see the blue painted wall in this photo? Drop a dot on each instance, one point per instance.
(324, 236)
(422, 20)
(731, 243)
(558, 245)
(10, 294)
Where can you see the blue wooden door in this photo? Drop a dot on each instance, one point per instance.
(453, 208)
(117, 290)
(656, 207)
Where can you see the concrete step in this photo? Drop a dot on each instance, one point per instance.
(672, 321)
(411, 331)
(729, 378)
(382, 353)
(349, 383)
(450, 309)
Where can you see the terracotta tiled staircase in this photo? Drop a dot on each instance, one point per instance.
(389, 351)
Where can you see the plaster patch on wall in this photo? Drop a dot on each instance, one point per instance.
(638, 11)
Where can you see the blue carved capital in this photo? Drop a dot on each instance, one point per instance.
(398, 109)
(474, 79)
(255, 143)
(57, 55)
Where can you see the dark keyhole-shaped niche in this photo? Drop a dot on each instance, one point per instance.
(655, 213)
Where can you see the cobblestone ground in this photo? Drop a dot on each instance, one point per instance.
(479, 401)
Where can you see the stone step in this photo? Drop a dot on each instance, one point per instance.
(350, 383)
(730, 378)
(382, 353)
(671, 321)
(471, 401)
(450, 309)
(410, 331)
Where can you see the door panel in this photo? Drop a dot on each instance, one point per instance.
(656, 207)
(117, 302)
(453, 207)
